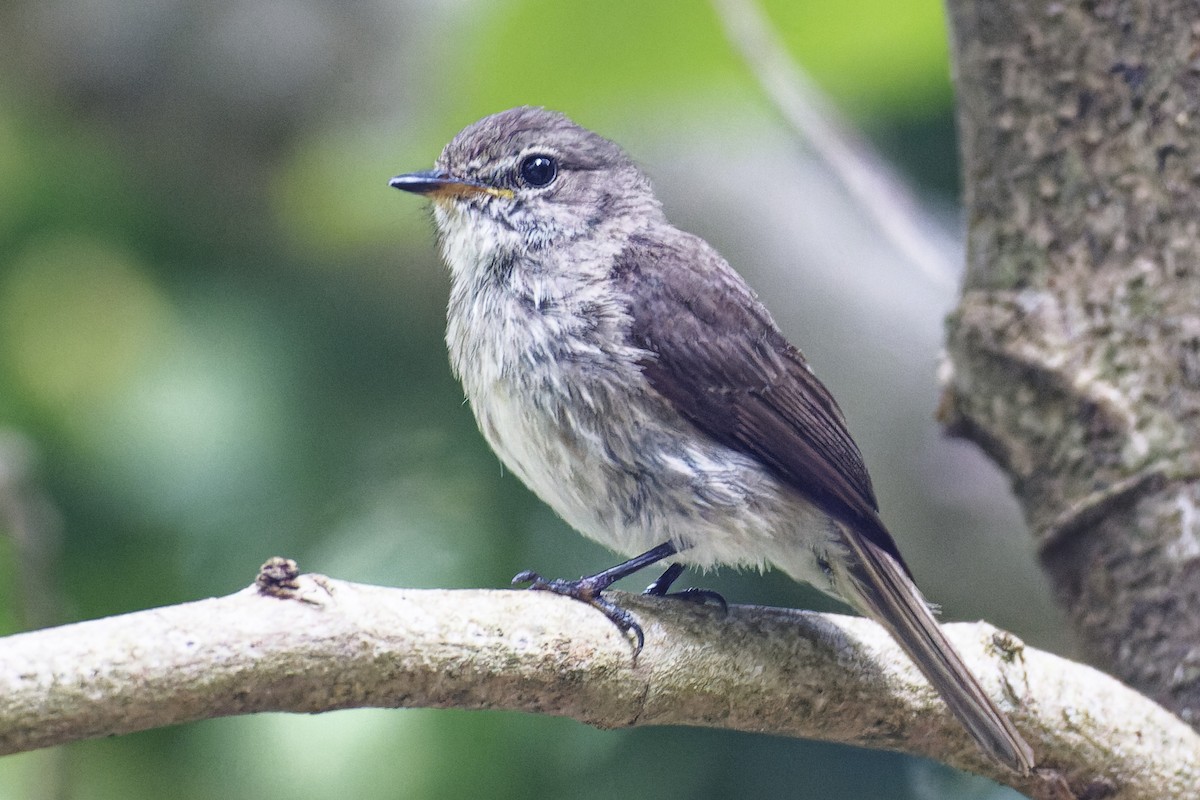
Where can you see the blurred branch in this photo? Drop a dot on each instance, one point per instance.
(870, 182)
(30, 520)
(311, 644)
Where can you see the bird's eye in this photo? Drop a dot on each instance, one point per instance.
(538, 171)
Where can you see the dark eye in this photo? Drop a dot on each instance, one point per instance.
(538, 171)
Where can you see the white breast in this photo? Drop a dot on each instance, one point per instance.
(562, 400)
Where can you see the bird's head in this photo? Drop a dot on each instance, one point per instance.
(526, 179)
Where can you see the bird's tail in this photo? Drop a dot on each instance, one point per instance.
(881, 588)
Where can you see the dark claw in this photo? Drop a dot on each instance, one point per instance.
(622, 619)
(585, 590)
(661, 587)
(528, 576)
(702, 597)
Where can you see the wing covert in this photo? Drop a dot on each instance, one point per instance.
(722, 363)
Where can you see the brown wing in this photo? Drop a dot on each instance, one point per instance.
(719, 359)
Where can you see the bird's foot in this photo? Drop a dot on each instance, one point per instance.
(661, 588)
(587, 590)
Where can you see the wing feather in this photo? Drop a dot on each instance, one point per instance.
(716, 355)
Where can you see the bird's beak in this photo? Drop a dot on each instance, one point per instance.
(438, 185)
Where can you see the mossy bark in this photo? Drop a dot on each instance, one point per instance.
(1074, 356)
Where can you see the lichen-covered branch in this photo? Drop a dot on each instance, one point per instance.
(1074, 356)
(314, 644)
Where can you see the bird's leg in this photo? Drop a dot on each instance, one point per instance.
(588, 588)
(662, 585)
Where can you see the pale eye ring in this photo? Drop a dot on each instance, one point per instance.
(538, 170)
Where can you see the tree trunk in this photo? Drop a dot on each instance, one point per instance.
(1075, 352)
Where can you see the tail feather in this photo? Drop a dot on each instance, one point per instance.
(881, 588)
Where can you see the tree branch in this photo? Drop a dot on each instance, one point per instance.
(315, 644)
(1074, 355)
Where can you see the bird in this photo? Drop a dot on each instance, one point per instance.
(632, 379)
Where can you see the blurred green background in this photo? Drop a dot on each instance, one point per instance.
(221, 340)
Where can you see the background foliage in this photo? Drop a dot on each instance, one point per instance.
(220, 340)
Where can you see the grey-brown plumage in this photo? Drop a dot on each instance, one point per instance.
(632, 380)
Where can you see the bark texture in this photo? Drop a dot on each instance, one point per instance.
(308, 644)
(1074, 357)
